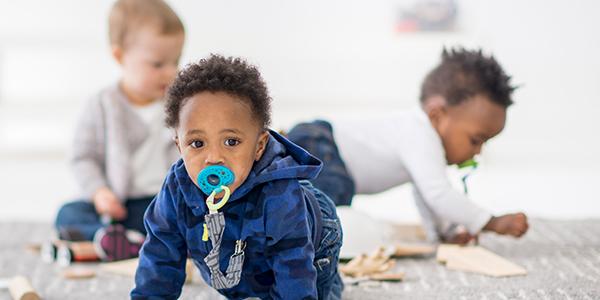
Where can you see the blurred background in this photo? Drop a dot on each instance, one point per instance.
(326, 59)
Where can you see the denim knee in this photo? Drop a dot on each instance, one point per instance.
(76, 212)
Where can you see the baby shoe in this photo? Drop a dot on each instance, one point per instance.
(114, 242)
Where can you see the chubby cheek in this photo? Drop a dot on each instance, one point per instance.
(461, 151)
(241, 171)
(193, 167)
(152, 84)
(455, 148)
(240, 177)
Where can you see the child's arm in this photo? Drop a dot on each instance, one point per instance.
(161, 270)
(425, 161)
(87, 154)
(88, 161)
(290, 250)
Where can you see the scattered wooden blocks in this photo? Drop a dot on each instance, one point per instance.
(372, 267)
(20, 289)
(477, 259)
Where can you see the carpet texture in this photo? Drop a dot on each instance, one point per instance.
(562, 258)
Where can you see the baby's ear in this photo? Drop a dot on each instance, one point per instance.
(263, 139)
(117, 53)
(435, 108)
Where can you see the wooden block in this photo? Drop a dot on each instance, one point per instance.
(478, 260)
(403, 250)
(388, 276)
(446, 250)
(129, 266)
(78, 273)
(34, 247)
(190, 269)
(20, 289)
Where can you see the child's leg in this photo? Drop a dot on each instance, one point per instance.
(327, 252)
(77, 221)
(135, 213)
(334, 179)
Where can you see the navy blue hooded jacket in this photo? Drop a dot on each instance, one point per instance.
(271, 211)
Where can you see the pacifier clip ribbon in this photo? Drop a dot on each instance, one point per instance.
(214, 225)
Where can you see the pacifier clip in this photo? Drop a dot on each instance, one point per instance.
(212, 181)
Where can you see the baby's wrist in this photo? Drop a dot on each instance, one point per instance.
(491, 224)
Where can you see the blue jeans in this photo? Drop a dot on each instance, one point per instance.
(81, 217)
(334, 180)
(329, 282)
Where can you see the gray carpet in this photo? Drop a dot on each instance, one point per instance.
(562, 258)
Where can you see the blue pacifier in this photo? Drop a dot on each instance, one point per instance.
(213, 178)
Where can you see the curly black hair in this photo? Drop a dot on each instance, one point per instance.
(465, 73)
(232, 75)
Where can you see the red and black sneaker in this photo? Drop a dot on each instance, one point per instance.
(114, 242)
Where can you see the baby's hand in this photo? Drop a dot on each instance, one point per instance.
(461, 238)
(107, 203)
(513, 224)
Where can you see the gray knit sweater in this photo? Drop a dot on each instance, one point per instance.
(107, 135)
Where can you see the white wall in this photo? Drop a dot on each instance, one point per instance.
(322, 59)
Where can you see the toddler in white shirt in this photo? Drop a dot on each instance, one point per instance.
(463, 104)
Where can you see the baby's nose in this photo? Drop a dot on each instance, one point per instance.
(214, 158)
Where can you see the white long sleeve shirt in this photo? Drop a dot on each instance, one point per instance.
(397, 148)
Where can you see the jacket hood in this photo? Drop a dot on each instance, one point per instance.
(282, 159)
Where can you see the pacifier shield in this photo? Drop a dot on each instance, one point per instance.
(213, 177)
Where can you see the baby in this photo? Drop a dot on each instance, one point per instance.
(463, 104)
(238, 202)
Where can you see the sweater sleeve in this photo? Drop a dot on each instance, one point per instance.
(290, 251)
(161, 270)
(424, 158)
(88, 157)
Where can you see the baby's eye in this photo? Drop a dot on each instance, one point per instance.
(157, 64)
(197, 144)
(231, 142)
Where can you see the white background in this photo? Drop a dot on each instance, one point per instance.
(322, 59)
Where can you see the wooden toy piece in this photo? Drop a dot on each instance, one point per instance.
(363, 265)
(20, 289)
(49, 249)
(387, 276)
(78, 273)
(190, 269)
(477, 259)
(129, 266)
(404, 250)
(34, 247)
(444, 251)
(66, 252)
(76, 252)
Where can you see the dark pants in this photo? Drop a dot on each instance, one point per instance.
(334, 180)
(81, 217)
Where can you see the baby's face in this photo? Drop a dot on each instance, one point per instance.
(149, 63)
(219, 129)
(464, 128)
